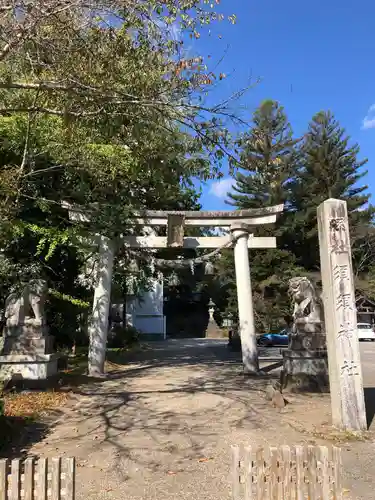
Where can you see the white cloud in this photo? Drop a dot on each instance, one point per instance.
(369, 119)
(220, 188)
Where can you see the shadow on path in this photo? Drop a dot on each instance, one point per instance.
(165, 399)
(370, 404)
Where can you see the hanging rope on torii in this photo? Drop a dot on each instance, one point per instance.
(188, 262)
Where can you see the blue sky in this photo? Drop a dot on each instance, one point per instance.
(308, 55)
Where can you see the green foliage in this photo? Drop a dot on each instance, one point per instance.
(120, 337)
(278, 170)
(270, 273)
(68, 298)
(329, 168)
(110, 120)
(113, 105)
(268, 156)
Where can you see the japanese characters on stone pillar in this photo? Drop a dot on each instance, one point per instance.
(345, 374)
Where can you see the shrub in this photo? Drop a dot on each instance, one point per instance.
(120, 337)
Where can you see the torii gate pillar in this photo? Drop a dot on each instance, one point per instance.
(98, 326)
(240, 232)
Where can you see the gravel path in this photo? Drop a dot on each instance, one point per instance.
(161, 427)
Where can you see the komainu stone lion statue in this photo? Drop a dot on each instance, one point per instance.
(307, 303)
(305, 366)
(31, 299)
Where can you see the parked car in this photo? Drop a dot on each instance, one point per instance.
(273, 339)
(365, 331)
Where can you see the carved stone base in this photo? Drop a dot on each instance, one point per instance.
(28, 366)
(307, 341)
(28, 345)
(213, 331)
(31, 330)
(305, 371)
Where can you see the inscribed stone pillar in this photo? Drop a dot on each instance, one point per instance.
(245, 299)
(345, 373)
(98, 328)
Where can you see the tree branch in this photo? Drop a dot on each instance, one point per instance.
(48, 111)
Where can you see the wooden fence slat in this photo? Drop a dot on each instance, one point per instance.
(28, 482)
(41, 487)
(300, 473)
(70, 479)
(286, 473)
(323, 452)
(280, 474)
(337, 464)
(248, 471)
(4, 479)
(15, 487)
(274, 473)
(236, 472)
(56, 478)
(311, 461)
(261, 485)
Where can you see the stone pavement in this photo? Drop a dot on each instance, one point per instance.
(161, 426)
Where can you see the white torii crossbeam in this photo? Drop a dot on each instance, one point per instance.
(240, 224)
(196, 242)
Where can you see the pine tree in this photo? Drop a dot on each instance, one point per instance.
(329, 168)
(267, 154)
(268, 162)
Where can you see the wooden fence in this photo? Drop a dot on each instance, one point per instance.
(37, 479)
(287, 473)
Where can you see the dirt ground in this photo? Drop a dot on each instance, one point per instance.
(161, 427)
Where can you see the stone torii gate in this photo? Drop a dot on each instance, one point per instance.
(240, 224)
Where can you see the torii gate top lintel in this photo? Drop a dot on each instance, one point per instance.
(214, 214)
(175, 220)
(218, 218)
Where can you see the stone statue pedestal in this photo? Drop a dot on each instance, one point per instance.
(213, 331)
(27, 353)
(305, 370)
(29, 338)
(28, 366)
(305, 362)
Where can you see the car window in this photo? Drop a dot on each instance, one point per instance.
(364, 327)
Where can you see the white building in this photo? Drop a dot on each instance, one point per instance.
(146, 313)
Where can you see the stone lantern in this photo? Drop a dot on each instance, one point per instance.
(213, 331)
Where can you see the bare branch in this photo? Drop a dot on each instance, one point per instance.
(11, 45)
(48, 111)
(26, 146)
(43, 170)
